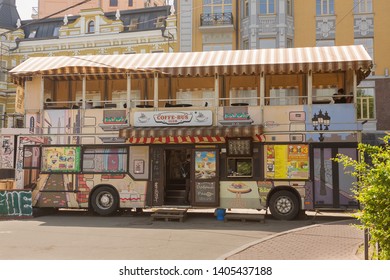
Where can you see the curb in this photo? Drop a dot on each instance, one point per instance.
(244, 247)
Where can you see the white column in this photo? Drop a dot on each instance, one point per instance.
(42, 93)
(354, 87)
(310, 87)
(216, 90)
(155, 99)
(262, 89)
(128, 97)
(84, 91)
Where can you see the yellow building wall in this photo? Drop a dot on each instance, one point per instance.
(381, 32)
(344, 22)
(197, 38)
(304, 23)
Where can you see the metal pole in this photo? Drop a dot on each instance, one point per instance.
(366, 241)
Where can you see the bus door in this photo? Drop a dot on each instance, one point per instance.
(205, 177)
(332, 184)
(177, 166)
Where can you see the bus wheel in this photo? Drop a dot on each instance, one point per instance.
(105, 201)
(284, 205)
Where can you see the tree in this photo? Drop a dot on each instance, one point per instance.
(372, 190)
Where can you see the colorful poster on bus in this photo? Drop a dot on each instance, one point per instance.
(287, 161)
(61, 159)
(205, 164)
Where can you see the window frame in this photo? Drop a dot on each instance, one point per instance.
(122, 150)
(362, 6)
(324, 7)
(269, 6)
(91, 27)
(113, 3)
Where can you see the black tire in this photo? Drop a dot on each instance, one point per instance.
(284, 205)
(105, 201)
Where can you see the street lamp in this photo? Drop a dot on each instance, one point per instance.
(321, 122)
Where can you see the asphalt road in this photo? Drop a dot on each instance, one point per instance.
(75, 235)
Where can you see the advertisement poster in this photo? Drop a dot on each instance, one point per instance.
(287, 161)
(61, 159)
(205, 165)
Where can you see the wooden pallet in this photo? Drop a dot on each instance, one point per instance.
(170, 214)
(244, 217)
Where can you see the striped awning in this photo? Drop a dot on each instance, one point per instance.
(238, 62)
(187, 135)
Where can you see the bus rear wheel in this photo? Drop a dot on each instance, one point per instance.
(105, 201)
(284, 205)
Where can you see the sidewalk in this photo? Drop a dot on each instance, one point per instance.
(333, 241)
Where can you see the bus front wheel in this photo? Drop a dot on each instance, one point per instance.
(284, 205)
(105, 201)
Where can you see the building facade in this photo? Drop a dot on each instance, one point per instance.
(49, 7)
(258, 24)
(91, 32)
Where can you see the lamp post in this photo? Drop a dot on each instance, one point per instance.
(321, 122)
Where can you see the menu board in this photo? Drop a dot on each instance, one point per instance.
(288, 161)
(239, 147)
(205, 192)
(61, 159)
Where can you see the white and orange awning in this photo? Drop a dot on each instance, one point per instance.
(188, 135)
(236, 62)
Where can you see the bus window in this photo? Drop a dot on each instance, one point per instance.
(61, 159)
(31, 155)
(105, 160)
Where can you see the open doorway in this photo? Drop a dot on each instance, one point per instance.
(177, 177)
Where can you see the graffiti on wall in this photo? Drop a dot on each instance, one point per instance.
(15, 203)
(7, 152)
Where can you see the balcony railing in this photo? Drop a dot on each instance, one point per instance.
(216, 19)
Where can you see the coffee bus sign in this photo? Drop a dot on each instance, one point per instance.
(169, 118)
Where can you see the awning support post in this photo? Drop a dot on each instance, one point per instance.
(262, 89)
(128, 97)
(84, 91)
(155, 99)
(310, 87)
(42, 93)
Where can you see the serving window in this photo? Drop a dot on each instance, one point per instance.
(239, 157)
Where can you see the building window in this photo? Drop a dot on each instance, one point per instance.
(56, 31)
(91, 27)
(113, 3)
(324, 7)
(365, 103)
(267, 7)
(368, 43)
(217, 6)
(268, 43)
(325, 43)
(290, 43)
(245, 44)
(362, 6)
(217, 47)
(32, 34)
(130, 3)
(3, 71)
(289, 8)
(246, 8)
